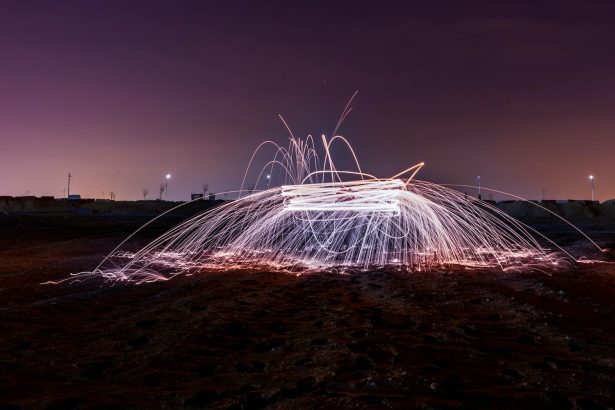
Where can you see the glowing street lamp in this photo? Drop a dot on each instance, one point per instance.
(268, 180)
(478, 179)
(592, 179)
(166, 184)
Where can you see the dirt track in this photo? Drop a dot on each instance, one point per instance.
(268, 339)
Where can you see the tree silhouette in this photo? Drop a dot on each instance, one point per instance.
(145, 192)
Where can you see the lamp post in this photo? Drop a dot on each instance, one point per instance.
(166, 185)
(592, 179)
(268, 180)
(478, 179)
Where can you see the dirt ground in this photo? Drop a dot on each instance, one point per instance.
(254, 340)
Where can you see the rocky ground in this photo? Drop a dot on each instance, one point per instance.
(254, 339)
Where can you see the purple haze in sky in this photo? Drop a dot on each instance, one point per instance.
(120, 93)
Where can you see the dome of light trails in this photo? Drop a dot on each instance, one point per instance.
(321, 218)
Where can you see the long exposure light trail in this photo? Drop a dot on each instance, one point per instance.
(323, 218)
(358, 196)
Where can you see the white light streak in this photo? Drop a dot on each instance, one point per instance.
(323, 218)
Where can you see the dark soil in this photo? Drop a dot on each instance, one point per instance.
(254, 340)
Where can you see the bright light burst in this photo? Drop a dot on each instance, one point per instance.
(321, 218)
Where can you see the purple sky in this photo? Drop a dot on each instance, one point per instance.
(120, 93)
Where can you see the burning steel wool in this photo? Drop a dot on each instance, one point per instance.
(323, 218)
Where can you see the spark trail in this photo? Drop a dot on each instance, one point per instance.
(322, 218)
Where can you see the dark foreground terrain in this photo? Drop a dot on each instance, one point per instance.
(252, 340)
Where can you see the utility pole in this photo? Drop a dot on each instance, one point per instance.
(68, 190)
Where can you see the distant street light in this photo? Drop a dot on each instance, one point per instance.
(166, 185)
(592, 179)
(478, 179)
(268, 180)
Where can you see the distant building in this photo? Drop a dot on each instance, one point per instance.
(212, 196)
(74, 197)
(196, 196)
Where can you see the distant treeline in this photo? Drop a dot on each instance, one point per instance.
(571, 209)
(30, 204)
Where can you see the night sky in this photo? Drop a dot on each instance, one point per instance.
(120, 93)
